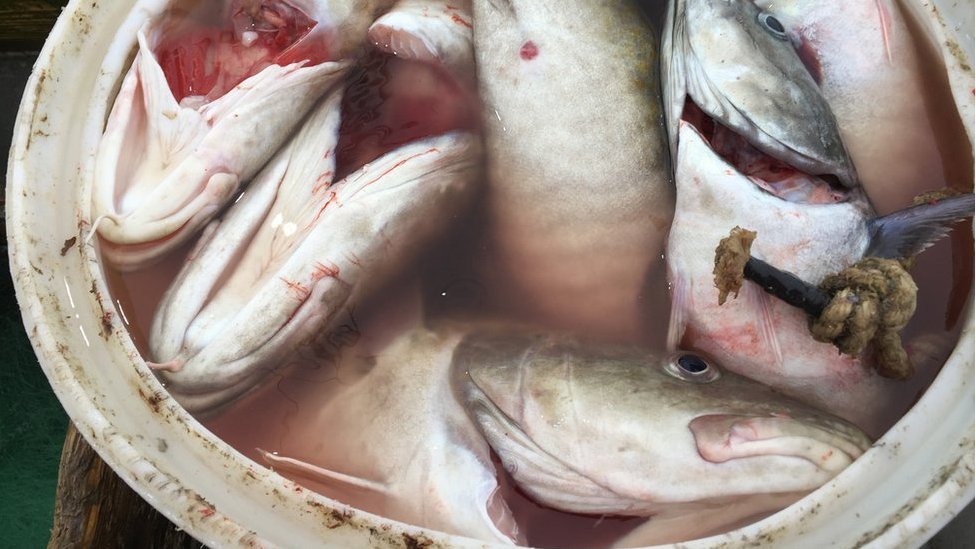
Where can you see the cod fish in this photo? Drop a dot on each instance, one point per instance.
(731, 67)
(209, 98)
(809, 223)
(620, 431)
(898, 122)
(299, 249)
(394, 441)
(757, 335)
(579, 197)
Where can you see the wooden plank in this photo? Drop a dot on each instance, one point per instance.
(24, 24)
(95, 508)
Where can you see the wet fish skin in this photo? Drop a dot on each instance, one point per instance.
(608, 430)
(894, 115)
(403, 433)
(295, 251)
(197, 152)
(759, 336)
(432, 31)
(718, 54)
(579, 196)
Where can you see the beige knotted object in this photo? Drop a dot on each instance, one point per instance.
(866, 304)
(873, 300)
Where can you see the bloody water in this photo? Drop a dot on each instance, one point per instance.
(389, 102)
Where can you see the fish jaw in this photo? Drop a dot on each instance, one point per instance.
(259, 286)
(721, 438)
(772, 102)
(195, 158)
(607, 431)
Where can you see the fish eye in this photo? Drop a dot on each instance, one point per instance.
(772, 25)
(692, 367)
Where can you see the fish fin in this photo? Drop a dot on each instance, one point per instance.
(680, 300)
(673, 78)
(885, 21)
(910, 231)
(321, 474)
(172, 128)
(767, 329)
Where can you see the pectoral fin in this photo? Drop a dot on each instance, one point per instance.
(322, 475)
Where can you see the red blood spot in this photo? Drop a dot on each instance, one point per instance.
(207, 512)
(529, 51)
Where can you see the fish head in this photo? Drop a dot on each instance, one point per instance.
(607, 430)
(737, 65)
(757, 335)
(754, 334)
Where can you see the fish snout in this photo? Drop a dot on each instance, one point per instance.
(829, 444)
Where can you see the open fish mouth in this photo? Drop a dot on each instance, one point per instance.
(829, 445)
(774, 175)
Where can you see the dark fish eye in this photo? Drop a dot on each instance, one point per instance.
(693, 364)
(772, 25)
(692, 367)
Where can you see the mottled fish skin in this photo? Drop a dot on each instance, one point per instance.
(759, 336)
(195, 154)
(579, 195)
(896, 119)
(618, 431)
(720, 54)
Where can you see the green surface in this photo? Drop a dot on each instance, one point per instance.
(32, 427)
(32, 423)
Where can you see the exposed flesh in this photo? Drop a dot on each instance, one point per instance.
(208, 106)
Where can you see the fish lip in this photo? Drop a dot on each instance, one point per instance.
(829, 444)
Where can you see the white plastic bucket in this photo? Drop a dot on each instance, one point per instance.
(911, 482)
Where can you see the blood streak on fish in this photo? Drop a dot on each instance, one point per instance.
(322, 271)
(390, 169)
(529, 51)
(300, 291)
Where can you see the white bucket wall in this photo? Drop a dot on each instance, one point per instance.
(913, 481)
